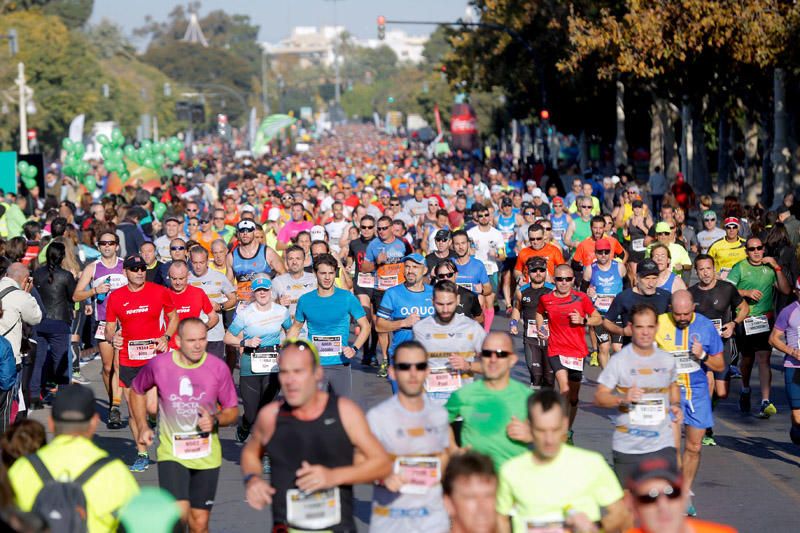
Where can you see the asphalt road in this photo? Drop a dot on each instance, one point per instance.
(750, 480)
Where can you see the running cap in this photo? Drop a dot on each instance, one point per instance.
(417, 258)
(663, 227)
(656, 468)
(274, 214)
(261, 283)
(506, 201)
(558, 200)
(536, 262)
(317, 233)
(73, 403)
(731, 221)
(247, 208)
(602, 244)
(648, 267)
(709, 215)
(246, 224)
(637, 203)
(134, 261)
(442, 235)
(173, 218)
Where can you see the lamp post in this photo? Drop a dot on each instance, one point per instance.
(23, 108)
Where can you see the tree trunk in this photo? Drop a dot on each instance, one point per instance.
(699, 162)
(583, 151)
(663, 146)
(725, 155)
(780, 149)
(767, 174)
(656, 137)
(687, 145)
(621, 142)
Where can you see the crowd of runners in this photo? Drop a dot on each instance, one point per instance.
(251, 299)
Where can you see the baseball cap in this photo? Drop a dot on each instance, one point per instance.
(637, 203)
(663, 227)
(648, 267)
(656, 468)
(558, 200)
(732, 220)
(506, 201)
(274, 214)
(261, 283)
(73, 403)
(417, 258)
(134, 261)
(442, 235)
(246, 224)
(317, 233)
(709, 215)
(247, 208)
(602, 244)
(172, 218)
(536, 262)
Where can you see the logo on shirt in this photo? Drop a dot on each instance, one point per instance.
(185, 404)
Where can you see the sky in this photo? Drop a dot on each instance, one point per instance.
(277, 17)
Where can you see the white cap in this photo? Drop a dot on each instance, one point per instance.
(493, 172)
(496, 189)
(317, 233)
(529, 183)
(537, 192)
(247, 208)
(274, 214)
(614, 179)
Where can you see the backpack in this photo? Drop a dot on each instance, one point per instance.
(62, 504)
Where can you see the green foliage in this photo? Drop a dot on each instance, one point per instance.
(74, 13)
(108, 40)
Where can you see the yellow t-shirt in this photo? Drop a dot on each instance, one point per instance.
(726, 254)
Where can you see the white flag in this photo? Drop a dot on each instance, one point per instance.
(76, 129)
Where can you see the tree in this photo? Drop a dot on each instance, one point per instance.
(74, 13)
(108, 40)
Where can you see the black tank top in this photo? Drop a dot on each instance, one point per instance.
(319, 442)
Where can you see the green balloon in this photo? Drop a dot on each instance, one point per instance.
(29, 183)
(90, 183)
(159, 159)
(78, 149)
(22, 166)
(31, 172)
(159, 209)
(148, 162)
(116, 134)
(129, 150)
(66, 144)
(103, 139)
(174, 156)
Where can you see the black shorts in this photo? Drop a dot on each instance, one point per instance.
(216, 348)
(750, 344)
(376, 298)
(572, 375)
(227, 317)
(357, 290)
(197, 486)
(127, 374)
(625, 463)
(603, 335)
(508, 264)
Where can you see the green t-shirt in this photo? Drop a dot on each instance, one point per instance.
(486, 414)
(746, 276)
(585, 484)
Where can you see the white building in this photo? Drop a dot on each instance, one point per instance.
(407, 47)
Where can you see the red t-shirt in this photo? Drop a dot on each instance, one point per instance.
(139, 314)
(565, 338)
(188, 304)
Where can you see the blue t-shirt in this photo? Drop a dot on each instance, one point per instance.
(8, 365)
(263, 324)
(328, 322)
(398, 303)
(472, 276)
(389, 274)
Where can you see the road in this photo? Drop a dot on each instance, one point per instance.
(749, 480)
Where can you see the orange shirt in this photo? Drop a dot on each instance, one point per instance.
(198, 238)
(584, 253)
(697, 526)
(551, 252)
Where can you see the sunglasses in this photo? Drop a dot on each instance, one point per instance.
(661, 233)
(394, 204)
(529, 213)
(446, 276)
(537, 239)
(204, 221)
(710, 220)
(755, 248)
(586, 207)
(537, 269)
(501, 354)
(602, 252)
(177, 248)
(106, 243)
(441, 240)
(405, 367)
(246, 230)
(192, 210)
(383, 228)
(483, 215)
(219, 218)
(564, 279)
(367, 227)
(138, 269)
(546, 228)
(732, 227)
(672, 493)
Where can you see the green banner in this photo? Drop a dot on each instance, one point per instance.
(8, 172)
(269, 128)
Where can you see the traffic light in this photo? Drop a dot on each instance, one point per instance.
(544, 114)
(381, 27)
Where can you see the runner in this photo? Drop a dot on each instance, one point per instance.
(585, 252)
(471, 273)
(468, 303)
(568, 312)
(403, 306)
(539, 248)
(190, 301)
(710, 233)
(470, 493)
(364, 283)
(138, 307)
(668, 280)
(561, 222)
(172, 230)
(648, 399)
(98, 280)
(666, 236)
(618, 316)
(219, 290)
(250, 258)
(416, 434)
(327, 313)
(694, 342)
(557, 487)
(506, 222)
(443, 249)
(755, 278)
(452, 342)
(311, 485)
(526, 301)
(289, 287)
(196, 396)
(488, 243)
(730, 250)
(635, 230)
(785, 337)
(580, 229)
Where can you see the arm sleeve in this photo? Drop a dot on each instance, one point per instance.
(453, 407)
(386, 308)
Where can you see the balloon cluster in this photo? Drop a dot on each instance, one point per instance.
(112, 152)
(27, 173)
(75, 166)
(158, 208)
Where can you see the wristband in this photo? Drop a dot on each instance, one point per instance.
(247, 477)
(513, 323)
(241, 343)
(778, 268)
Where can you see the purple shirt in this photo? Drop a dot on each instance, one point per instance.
(788, 322)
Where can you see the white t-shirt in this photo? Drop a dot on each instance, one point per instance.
(335, 231)
(484, 241)
(216, 285)
(294, 288)
(162, 248)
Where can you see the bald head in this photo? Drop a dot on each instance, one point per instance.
(498, 340)
(18, 272)
(682, 301)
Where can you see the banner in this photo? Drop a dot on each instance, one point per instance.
(438, 117)
(464, 127)
(270, 127)
(8, 172)
(76, 129)
(251, 128)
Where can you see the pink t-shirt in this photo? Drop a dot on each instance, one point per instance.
(290, 230)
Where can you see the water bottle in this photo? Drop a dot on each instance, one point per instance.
(102, 296)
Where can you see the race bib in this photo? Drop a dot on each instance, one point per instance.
(101, 331)
(684, 363)
(191, 445)
(558, 234)
(637, 245)
(329, 345)
(264, 362)
(467, 286)
(756, 324)
(649, 411)
(366, 280)
(573, 363)
(532, 331)
(387, 282)
(442, 378)
(142, 350)
(718, 325)
(550, 523)
(419, 473)
(316, 510)
(603, 301)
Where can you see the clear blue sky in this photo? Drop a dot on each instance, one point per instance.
(277, 17)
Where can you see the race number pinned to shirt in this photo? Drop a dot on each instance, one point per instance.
(532, 330)
(637, 245)
(550, 523)
(649, 411)
(684, 363)
(101, 331)
(328, 345)
(603, 301)
(756, 324)
(717, 324)
(142, 350)
(387, 282)
(366, 280)
(419, 474)
(573, 363)
(442, 378)
(315, 510)
(264, 362)
(191, 445)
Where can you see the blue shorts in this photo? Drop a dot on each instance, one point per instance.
(696, 405)
(791, 379)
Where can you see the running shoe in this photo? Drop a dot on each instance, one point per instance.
(767, 409)
(114, 419)
(141, 463)
(570, 433)
(80, 380)
(383, 371)
(744, 402)
(241, 434)
(708, 440)
(594, 360)
(734, 372)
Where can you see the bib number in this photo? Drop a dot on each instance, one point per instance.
(532, 331)
(191, 445)
(637, 245)
(264, 362)
(387, 282)
(316, 510)
(419, 474)
(141, 350)
(684, 364)
(467, 286)
(551, 523)
(101, 331)
(756, 324)
(572, 363)
(442, 378)
(603, 301)
(718, 325)
(366, 280)
(328, 346)
(648, 412)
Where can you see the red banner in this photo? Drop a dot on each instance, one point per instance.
(438, 118)
(464, 127)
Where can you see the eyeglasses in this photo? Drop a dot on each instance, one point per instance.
(501, 354)
(405, 367)
(564, 279)
(367, 227)
(732, 227)
(138, 269)
(528, 213)
(106, 243)
(602, 252)
(672, 493)
(177, 248)
(662, 233)
(446, 276)
(383, 228)
(246, 230)
(537, 269)
(755, 248)
(586, 207)
(710, 220)
(537, 239)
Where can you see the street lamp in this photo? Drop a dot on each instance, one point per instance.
(26, 106)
